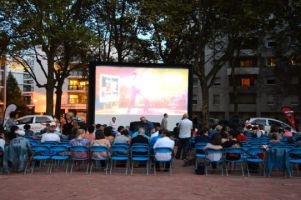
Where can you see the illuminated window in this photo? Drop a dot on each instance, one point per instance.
(271, 62)
(248, 62)
(73, 98)
(245, 82)
(73, 82)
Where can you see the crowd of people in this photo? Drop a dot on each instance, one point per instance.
(15, 147)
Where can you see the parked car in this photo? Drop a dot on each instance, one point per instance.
(268, 122)
(37, 122)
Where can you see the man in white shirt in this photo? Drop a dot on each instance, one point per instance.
(114, 125)
(164, 141)
(185, 127)
(50, 136)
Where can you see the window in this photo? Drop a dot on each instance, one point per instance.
(248, 62)
(195, 99)
(245, 82)
(26, 120)
(73, 82)
(260, 122)
(243, 98)
(217, 81)
(270, 62)
(216, 99)
(73, 98)
(195, 82)
(271, 81)
(42, 120)
(274, 123)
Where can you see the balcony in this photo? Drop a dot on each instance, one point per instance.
(76, 74)
(27, 88)
(77, 101)
(244, 71)
(78, 87)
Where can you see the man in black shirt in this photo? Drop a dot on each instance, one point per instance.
(140, 138)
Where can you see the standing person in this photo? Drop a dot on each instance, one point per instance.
(164, 121)
(13, 116)
(67, 126)
(185, 127)
(114, 125)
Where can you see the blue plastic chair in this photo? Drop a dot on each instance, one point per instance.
(295, 158)
(59, 153)
(119, 153)
(252, 157)
(97, 150)
(39, 154)
(235, 151)
(79, 150)
(219, 162)
(140, 153)
(163, 150)
(198, 155)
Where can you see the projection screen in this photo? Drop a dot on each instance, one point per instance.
(130, 91)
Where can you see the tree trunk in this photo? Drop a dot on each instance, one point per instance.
(58, 102)
(205, 104)
(49, 100)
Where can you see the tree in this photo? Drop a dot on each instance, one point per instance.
(48, 29)
(14, 94)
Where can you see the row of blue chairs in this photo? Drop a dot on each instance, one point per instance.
(122, 152)
(245, 155)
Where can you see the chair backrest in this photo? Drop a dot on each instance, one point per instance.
(234, 150)
(212, 151)
(253, 151)
(200, 146)
(98, 149)
(40, 149)
(79, 149)
(140, 145)
(163, 150)
(295, 151)
(139, 149)
(119, 148)
(58, 149)
(121, 144)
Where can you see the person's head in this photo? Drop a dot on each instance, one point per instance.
(51, 129)
(261, 127)
(185, 116)
(108, 131)
(120, 129)
(13, 129)
(275, 136)
(27, 127)
(75, 124)
(91, 129)
(143, 119)
(13, 115)
(165, 115)
(165, 133)
(218, 128)
(124, 132)
(113, 119)
(99, 135)
(141, 131)
(216, 139)
(80, 133)
(69, 115)
(158, 128)
(249, 127)
(97, 126)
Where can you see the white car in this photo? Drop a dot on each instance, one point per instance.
(37, 122)
(268, 122)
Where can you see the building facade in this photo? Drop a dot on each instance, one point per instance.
(254, 87)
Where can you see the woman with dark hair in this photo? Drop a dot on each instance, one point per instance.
(100, 140)
(215, 143)
(90, 134)
(202, 136)
(108, 132)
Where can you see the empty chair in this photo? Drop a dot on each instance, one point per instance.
(119, 153)
(294, 159)
(59, 154)
(253, 156)
(40, 154)
(79, 154)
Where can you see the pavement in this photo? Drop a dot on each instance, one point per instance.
(183, 184)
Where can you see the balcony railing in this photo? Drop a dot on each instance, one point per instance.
(76, 73)
(77, 87)
(77, 101)
(27, 89)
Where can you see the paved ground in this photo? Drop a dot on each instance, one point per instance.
(182, 185)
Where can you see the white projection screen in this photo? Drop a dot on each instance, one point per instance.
(131, 91)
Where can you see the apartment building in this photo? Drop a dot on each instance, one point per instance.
(261, 87)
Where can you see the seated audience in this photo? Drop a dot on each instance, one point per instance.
(80, 141)
(275, 138)
(109, 134)
(123, 137)
(11, 134)
(50, 135)
(215, 143)
(140, 138)
(2, 141)
(287, 132)
(241, 137)
(90, 134)
(100, 140)
(201, 137)
(164, 141)
(119, 130)
(28, 132)
(17, 153)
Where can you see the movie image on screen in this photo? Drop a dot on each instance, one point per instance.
(141, 91)
(129, 92)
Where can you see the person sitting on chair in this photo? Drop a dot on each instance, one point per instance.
(50, 136)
